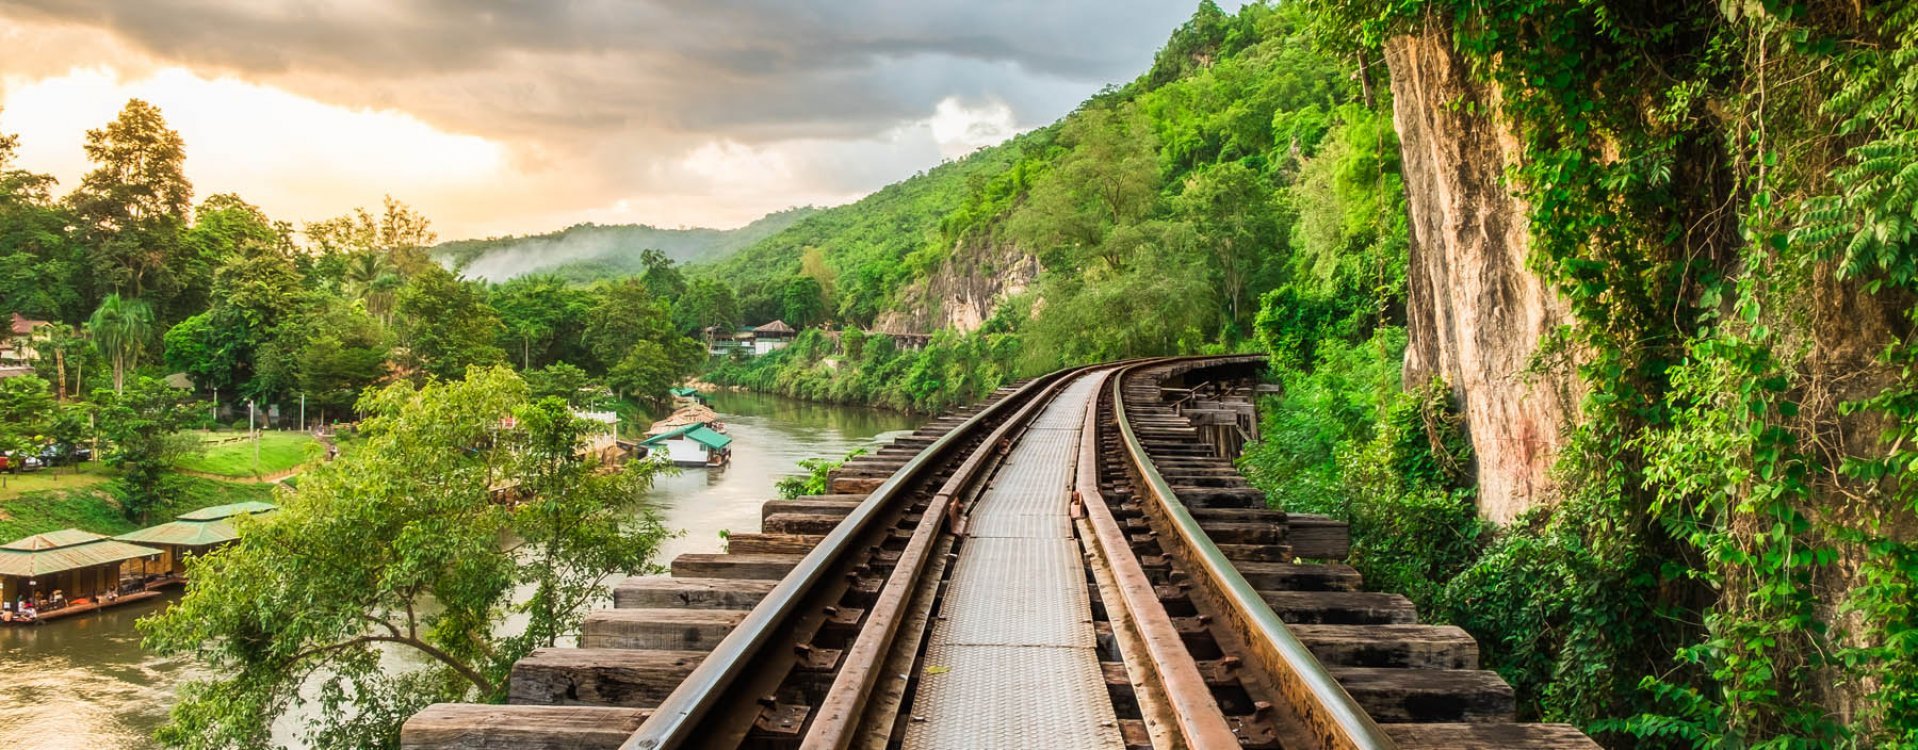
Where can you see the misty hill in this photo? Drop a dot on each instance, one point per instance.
(585, 252)
(879, 245)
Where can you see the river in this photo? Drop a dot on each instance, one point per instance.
(85, 682)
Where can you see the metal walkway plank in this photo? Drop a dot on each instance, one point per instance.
(1012, 664)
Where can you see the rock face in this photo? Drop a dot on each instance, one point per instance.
(1475, 312)
(965, 291)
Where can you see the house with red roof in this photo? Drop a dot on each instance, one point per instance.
(17, 346)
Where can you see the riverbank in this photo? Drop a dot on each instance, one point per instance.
(86, 501)
(85, 682)
(950, 370)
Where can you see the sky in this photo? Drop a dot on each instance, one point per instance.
(501, 117)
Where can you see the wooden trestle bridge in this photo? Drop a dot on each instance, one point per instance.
(1075, 563)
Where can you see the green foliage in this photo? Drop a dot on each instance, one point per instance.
(134, 204)
(144, 423)
(867, 243)
(541, 314)
(951, 370)
(707, 303)
(26, 414)
(401, 545)
(817, 477)
(803, 302)
(328, 351)
(121, 328)
(568, 383)
(1161, 213)
(445, 325)
(1721, 194)
(42, 267)
(631, 335)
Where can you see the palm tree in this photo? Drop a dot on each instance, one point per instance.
(371, 278)
(121, 328)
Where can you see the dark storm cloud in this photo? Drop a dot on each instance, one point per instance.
(747, 69)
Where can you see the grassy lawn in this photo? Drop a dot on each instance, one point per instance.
(62, 478)
(92, 507)
(227, 456)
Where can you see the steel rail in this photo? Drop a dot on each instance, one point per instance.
(676, 720)
(1332, 714)
(837, 721)
(1195, 714)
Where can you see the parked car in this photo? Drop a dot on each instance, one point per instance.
(17, 463)
(59, 454)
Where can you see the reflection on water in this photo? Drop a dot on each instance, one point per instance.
(770, 436)
(84, 682)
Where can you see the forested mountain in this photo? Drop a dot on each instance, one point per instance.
(590, 252)
(1151, 220)
(1202, 181)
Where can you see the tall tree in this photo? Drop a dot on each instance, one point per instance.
(707, 303)
(41, 267)
(143, 422)
(398, 547)
(369, 278)
(64, 354)
(1232, 211)
(26, 412)
(623, 314)
(225, 228)
(803, 303)
(661, 277)
(330, 351)
(536, 309)
(121, 328)
(1107, 180)
(135, 201)
(399, 235)
(256, 288)
(445, 325)
(639, 349)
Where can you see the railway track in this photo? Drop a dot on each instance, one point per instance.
(1074, 563)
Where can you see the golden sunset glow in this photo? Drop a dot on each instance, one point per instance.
(558, 120)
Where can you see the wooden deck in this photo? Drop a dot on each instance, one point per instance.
(90, 606)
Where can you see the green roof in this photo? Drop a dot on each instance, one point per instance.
(67, 549)
(52, 540)
(201, 527)
(218, 512)
(684, 390)
(697, 433)
(184, 533)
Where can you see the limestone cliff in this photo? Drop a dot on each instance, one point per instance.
(1475, 313)
(964, 291)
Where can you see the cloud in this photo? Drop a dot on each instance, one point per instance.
(596, 101)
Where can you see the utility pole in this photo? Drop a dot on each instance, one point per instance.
(256, 434)
(302, 410)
